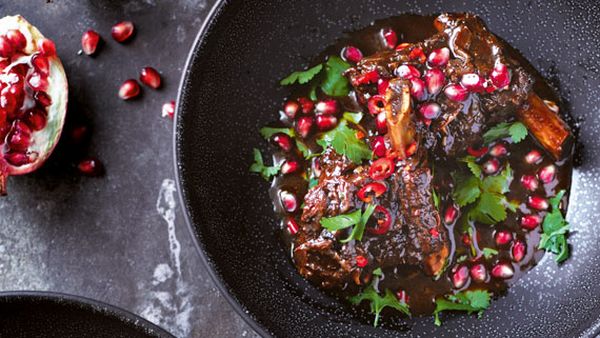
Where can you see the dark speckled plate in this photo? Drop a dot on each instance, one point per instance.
(44, 314)
(230, 90)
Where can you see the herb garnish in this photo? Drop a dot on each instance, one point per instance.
(555, 227)
(516, 130)
(344, 141)
(470, 301)
(267, 132)
(333, 82)
(357, 218)
(259, 167)
(378, 303)
(489, 252)
(302, 77)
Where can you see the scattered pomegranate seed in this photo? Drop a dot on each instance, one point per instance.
(304, 126)
(456, 92)
(122, 31)
(498, 150)
(150, 77)
(6, 48)
(518, 251)
(292, 226)
(327, 107)
(547, 173)
(47, 47)
(288, 200)
(78, 134)
(430, 110)
(529, 182)
(460, 276)
(326, 122)
(434, 232)
(89, 42)
(382, 86)
(19, 136)
(500, 76)
(376, 104)
(503, 237)
(378, 146)
(434, 80)
(479, 273)
(129, 89)
(168, 109)
(289, 167)
(530, 222)
(17, 39)
(307, 105)
(417, 89)
(352, 54)
(402, 46)
(537, 202)
(472, 82)
(361, 261)
(390, 37)
(283, 141)
(439, 57)
(381, 123)
(477, 152)
(491, 166)
(408, 72)
(450, 214)
(503, 270)
(290, 109)
(90, 167)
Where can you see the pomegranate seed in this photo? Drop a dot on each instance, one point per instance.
(472, 82)
(503, 271)
(408, 72)
(327, 107)
(6, 47)
(466, 239)
(361, 261)
(292, 226)
(456, 92)
(376, 104)
(352, 54)
(460, 276)
(491, 166)
(8, 104)
(434, 80)
(477, 152)
(150, 77)
(291, 109)
(382, 86)
(529, 182)
(450, 214)
(289, 167)
(538, 203)
(547, 173)
(40, 64)
(42, 98)
(288, 200)
(304, 125)
(518, 251)
(533, 157)
(439, 57)
(129, 89)
(434, 232)
(17, 159)
(79, 133)
(307, 104)
(498, 150)
(530, 222)
(47, 47)
(122, 31)
(168, 109)
(417, 89)
(500, 76)
(390, 37)
(4, 64)
(326, 122)
(37, 81)
(19, 136)
(90, 167)
(36, 119)
(381, 123)
(430, 110)
(378, 146)
(17, 39)
(479, 273)
(503, 237)
(89, 42)
(283, 141)
(402, 296)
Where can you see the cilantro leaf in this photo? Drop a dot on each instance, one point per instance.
(377, 272)
(500, 183)
(302, 77)
(259, 167)
(341, 221)
(473, 166)
(344, 141)
(555, 229)
(353, 117)
(490, 209)
(467, 191)
(305, 150)
(334, 83)
(469, 301)
(378, 303)
(516, 131)
(489, 252)
(267, 132)
(436, 198)
(359, 229)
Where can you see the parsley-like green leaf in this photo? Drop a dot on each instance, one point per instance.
(467, 191)
(313, 182)
(312, 94)
(267, 132)
(555, 229)
(473, 166)
(334, 83)
(490, 208)
(469, 301)
(436, 198)
(353, 117)
(516, 130)
(259, 167)
(359, 229)
(344, 141)
(500, 183)
(377, 272)
(489, 252)
(378, 303)
(341, 221)
(305, 150)
(302, 77)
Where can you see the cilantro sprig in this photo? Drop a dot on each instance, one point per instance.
(555, 229)
(259, 167)
(470, 301)
(301, 77)
(516, 131)
(344, 141)
(358, 219)
(267, 132)
(378, 303)
(331, 81)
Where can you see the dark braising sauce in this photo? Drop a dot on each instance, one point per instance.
(427, 251)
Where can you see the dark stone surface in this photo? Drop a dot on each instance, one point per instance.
(106, 238)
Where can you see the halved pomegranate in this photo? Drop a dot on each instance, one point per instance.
(33, 99)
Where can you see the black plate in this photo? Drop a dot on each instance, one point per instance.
(44, 314)
(230, 90)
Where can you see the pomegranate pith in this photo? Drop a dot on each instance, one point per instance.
(168, 109)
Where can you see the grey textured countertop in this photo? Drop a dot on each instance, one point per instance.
(119, 238)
